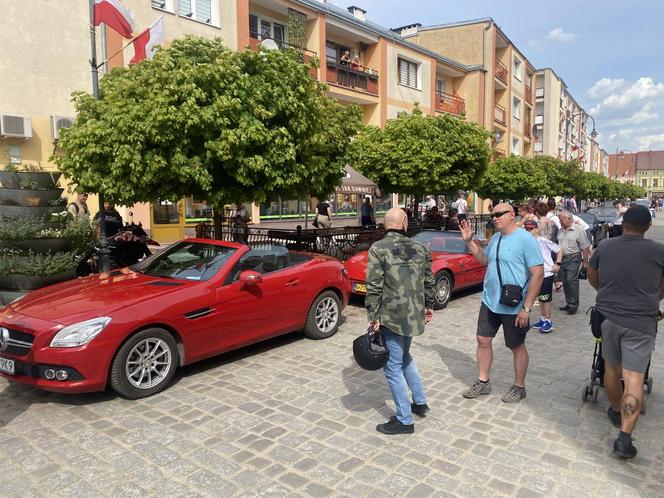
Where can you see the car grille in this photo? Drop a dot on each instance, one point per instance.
(19, 343)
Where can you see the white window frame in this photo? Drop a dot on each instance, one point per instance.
(272, 21)
(516, 108)
(516, 146)
(441, 85)
(214, 12)
(168, 5)
(517, 68)
(417, 65)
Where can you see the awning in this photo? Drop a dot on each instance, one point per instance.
(356, 183)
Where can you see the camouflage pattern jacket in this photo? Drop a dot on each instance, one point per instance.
(399, 284)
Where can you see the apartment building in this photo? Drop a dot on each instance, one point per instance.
(650, 172)
(503, 93)
(561, 124)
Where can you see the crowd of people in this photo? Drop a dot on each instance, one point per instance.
(546, 242)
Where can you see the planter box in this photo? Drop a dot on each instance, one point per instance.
(28, 197)
(29, 211)
(43, 246)
(46, 179)
(30, 282)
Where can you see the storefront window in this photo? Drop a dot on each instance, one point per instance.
(284, 210)
(196, 210)
(165, 213)
(345, 205)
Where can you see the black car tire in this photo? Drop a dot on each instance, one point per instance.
(324, 316)
(443, 278)
(119, 377)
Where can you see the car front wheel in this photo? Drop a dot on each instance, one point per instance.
(443, 289)
(323, 317)
(145, 364)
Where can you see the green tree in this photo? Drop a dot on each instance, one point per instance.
(513, 178)
(562, 177)
(594, 185)
(417, 153)
(200, 119)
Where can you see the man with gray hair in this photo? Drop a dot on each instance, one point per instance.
(575, 245)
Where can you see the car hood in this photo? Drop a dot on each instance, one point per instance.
(96, 295)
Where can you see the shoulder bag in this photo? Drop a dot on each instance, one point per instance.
(510, 295)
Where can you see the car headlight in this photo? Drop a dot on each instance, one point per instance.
(79, 333)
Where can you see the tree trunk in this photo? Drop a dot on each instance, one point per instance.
(218, 222)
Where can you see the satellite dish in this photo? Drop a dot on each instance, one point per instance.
(269, 44)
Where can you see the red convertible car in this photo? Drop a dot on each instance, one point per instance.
(453, 266)
(131, 328)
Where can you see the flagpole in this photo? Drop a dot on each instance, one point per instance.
(102, 63)
(104, 260)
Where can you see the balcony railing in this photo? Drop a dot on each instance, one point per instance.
(500, 115)
(304, 54)
(446, 102)
(501, 71)
(529, 94)
(353, 76)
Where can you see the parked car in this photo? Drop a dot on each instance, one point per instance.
(605, 214)
(597, 230)
(131, 328)
(454, 268)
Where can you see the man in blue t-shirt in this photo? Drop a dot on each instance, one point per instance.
(521, 265)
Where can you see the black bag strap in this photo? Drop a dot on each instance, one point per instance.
(500, 277)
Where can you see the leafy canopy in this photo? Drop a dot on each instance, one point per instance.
(513, 178)
(199, 119)
(562, 177)
(416, 153)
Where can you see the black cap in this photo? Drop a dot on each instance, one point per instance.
(638, 216)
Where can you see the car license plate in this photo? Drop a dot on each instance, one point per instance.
(359, 288)
(7, 366)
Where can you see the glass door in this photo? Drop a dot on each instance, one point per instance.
(167, 219)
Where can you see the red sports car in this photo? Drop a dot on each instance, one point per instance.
(453, 266)
(132, 328)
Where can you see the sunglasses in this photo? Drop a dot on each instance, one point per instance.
(498, 214)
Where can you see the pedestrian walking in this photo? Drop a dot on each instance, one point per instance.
(573, 241)
(323, 215)
(399, 301)
(461, 205)
(367, 213)
(240, 220)
(512, 282)
(551, 254)
(627, 272)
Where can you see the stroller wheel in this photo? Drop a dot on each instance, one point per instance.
(649, 385)
(587, 392)
(593, 375)
(595, 393)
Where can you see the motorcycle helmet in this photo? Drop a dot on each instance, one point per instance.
(369, 350)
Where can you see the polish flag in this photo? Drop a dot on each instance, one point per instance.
(114, 15)
(145, 43)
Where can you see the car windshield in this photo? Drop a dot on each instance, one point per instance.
(437, 241)
(187, 261)
(588, 217)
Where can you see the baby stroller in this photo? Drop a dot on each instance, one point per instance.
(597, 377)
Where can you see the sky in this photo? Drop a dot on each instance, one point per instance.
(610, 53)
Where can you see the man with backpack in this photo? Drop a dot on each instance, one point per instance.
(79, 208)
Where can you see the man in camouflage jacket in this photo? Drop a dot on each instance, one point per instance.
(399, 301)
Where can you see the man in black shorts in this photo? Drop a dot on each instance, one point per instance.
(516, 254)
(628, 273)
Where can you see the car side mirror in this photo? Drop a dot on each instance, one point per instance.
(250, 277)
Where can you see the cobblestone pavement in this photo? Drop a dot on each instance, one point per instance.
(295, 417)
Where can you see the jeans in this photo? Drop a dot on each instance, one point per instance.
(569, 275)
(401, 374)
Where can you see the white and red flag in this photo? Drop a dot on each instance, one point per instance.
(145, 43)
(115, 16)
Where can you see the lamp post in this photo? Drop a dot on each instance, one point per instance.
(570, 117)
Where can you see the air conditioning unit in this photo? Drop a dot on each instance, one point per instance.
(58, 122)
(15, 126)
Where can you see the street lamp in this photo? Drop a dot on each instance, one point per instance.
(570, 117)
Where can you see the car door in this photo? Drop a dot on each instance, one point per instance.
(249, 313)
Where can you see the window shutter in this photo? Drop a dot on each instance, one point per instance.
(204, 10)
(403, 72)
(159, 4)
(184, 8)
(412, 81)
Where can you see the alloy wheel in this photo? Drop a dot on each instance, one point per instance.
(148, 363)
(327, 314)
(442, 290)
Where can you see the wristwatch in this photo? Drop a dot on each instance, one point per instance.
(527, 309)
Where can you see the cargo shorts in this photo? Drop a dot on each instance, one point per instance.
(629, 347)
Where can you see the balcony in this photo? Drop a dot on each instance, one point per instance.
(501, 71)
(527, 130)
(449, 103)
(500, 116)
(528, 94)
(255, 40)
(354, 76)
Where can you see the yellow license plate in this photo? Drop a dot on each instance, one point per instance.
(359, 288)
(7, 366)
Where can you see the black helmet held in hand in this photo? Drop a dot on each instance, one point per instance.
(369, 350)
